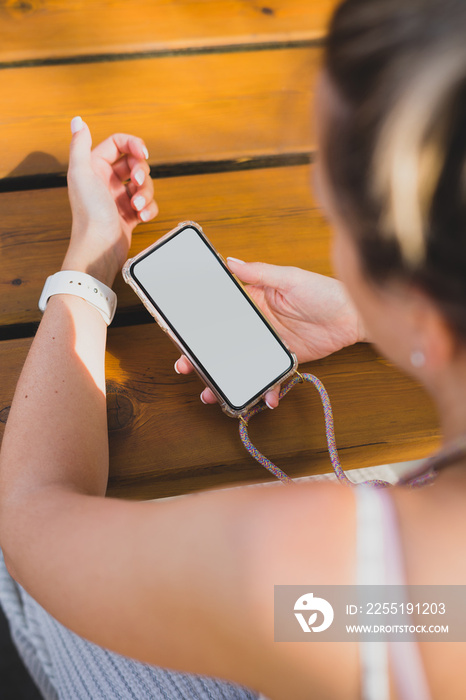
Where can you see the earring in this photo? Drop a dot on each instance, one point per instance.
(418, 359)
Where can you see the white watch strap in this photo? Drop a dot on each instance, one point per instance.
(80, 284)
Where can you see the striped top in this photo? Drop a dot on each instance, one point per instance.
(65, 666)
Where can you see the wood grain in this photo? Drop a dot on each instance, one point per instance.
(199, 80)
(163, 441)
(267, 214)
(41, 29)
(187, 108)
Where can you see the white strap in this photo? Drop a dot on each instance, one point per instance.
(370, 571)
(405, 658)
(81, 285)
(379, 561)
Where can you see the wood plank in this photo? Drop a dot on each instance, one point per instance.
(38, 29)
(187, 108)
(163, 441)
(267, 214)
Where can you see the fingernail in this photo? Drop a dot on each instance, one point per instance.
(176, 367)
(76, 124)
(202, 399)
(145, 215)
(268, 405)
(146, 152)
(139, 176)
(236, 260)
(139, 202)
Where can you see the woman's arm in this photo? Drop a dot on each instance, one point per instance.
(56, 432)
(56, 435)
(184, 583)
(166, 582)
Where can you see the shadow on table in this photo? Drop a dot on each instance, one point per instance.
(38, 162)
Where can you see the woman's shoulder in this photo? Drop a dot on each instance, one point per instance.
(431, 522)
(305, 532)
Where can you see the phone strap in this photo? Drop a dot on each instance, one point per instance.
(298, 378)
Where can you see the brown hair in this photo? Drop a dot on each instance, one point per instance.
(396, 149)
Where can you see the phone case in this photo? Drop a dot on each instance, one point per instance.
(129, 279)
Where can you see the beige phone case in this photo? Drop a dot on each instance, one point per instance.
(127, 276)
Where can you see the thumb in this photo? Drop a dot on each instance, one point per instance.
(81, 143)
(260, 274)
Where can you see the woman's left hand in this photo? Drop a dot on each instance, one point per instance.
(110, 192)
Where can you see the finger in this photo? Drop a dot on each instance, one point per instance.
(123, 203)
(140, 201)
(260, 274)
(131, 168)
(142, 198)
(149, 212)
(208, 396)
(118, 145)
(272, 397)
(140, 173)
(80, 146)
(183, 365)
(146, 190)
(131, 188)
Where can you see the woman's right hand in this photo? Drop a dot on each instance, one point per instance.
(110, 192)
(311, 312)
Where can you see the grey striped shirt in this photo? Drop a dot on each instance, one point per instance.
(65, 666)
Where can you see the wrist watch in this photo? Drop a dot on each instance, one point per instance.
(80, 284)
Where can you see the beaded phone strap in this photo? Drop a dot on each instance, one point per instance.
(422, 477)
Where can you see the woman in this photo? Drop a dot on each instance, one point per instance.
(188, 584)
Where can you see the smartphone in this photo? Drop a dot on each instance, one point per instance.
(187, 287)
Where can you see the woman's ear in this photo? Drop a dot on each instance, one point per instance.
(432, 335)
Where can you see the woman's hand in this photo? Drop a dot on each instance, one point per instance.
(110, 191)
(311, 312)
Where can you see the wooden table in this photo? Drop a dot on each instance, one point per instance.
(221, 93)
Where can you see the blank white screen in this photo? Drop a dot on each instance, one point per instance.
(218, 324)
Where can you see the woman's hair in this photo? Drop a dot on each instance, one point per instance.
(395, 150)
